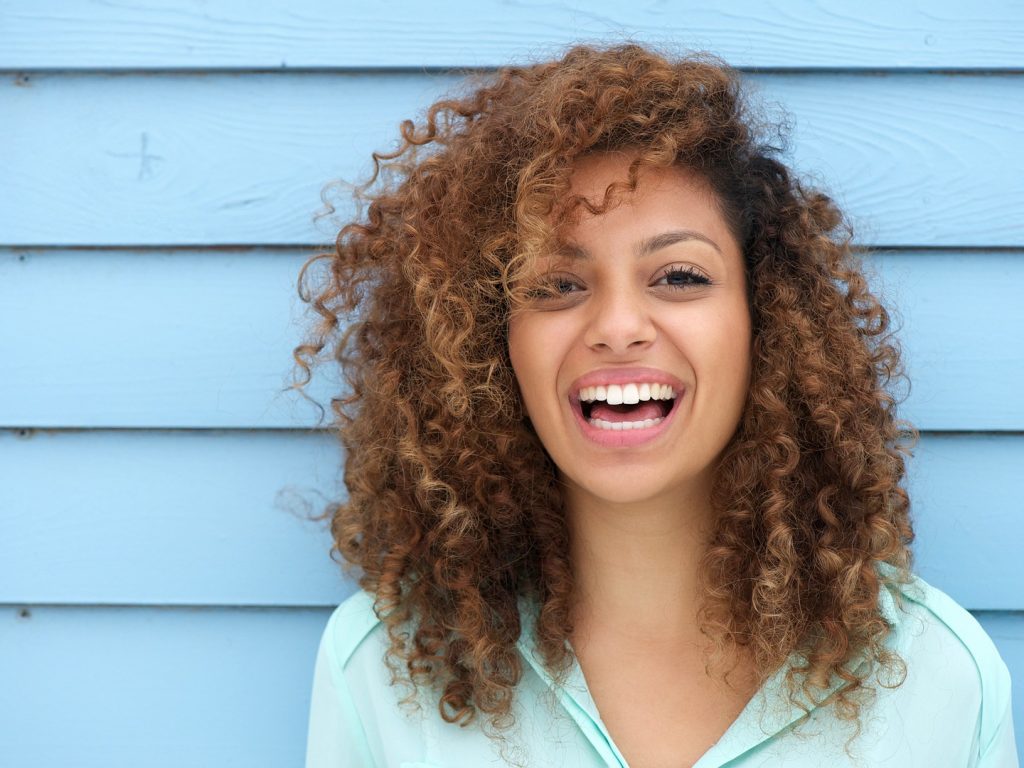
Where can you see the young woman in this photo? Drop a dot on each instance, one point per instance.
(624, 479)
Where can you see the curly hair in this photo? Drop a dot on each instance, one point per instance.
(454, 510)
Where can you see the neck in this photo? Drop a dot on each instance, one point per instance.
(636, 567)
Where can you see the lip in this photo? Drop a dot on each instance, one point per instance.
(631, 437)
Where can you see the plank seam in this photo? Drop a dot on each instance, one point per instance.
(28, 432)
(473, 70)
(27, 605)
(865, 248)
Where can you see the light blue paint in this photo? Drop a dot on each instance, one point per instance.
(154, 339)
(967, 513)
(242, 159)
(103, 687)
(185, 517)
(319, 33)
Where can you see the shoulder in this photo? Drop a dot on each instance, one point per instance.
(944, 642)
(354, 637)
(929, 609)
(349, 628)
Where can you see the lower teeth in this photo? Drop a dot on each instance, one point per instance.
(617, 425)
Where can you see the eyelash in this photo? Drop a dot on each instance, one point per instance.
(692, 275)
(695, 277)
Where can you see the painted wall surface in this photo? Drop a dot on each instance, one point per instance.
(162, 590)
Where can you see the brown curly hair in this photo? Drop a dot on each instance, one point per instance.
(454, 510)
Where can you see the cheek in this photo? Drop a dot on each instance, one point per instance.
(523, 353)
(535, 358)
(516, 346)
(736, 354)
(720, 344)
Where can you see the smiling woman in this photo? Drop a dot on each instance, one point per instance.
(625, 482)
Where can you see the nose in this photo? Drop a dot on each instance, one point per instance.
(619, 322)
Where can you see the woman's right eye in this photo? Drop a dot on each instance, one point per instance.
(564, 285)
(555, 287)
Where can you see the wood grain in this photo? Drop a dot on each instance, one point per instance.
(316, 33)
(156, 687)
(243, 159)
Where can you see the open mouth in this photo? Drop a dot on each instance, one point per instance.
(626, 407)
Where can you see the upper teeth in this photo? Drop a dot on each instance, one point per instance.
(617, 394)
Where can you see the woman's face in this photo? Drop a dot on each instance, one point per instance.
(635, 375)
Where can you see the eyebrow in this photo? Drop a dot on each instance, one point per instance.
(648, 245)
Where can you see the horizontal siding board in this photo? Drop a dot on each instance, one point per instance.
(212, 518)
(958, 321)
(968, 516)
(102, 687)
(203, 339)
(97, 160)
(169, 518)
(1007, 632)
(165, 688)
(317, 33)
(182, 339)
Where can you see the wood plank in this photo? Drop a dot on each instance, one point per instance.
(317, 33)
(163, 688)
(166, 688)
(191, 517)
(203, 339)
(221, 518)
(968, 515)
(963, 339)
(1007, 632)
(202, 160)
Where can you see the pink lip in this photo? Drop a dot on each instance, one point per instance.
(630, 437)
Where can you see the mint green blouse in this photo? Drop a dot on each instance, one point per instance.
(953, 709)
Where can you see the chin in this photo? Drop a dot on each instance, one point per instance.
(624, 487)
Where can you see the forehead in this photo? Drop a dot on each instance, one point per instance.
(591, 174)
(669, 206)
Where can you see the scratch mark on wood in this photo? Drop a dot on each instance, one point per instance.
(145, 158)
(242, 203)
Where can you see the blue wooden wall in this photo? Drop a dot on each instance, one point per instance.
(160, 168)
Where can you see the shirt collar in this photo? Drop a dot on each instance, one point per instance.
(769, 711)
(573, 693)
(772, 700)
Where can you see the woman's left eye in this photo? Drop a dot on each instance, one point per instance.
(680, 277)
